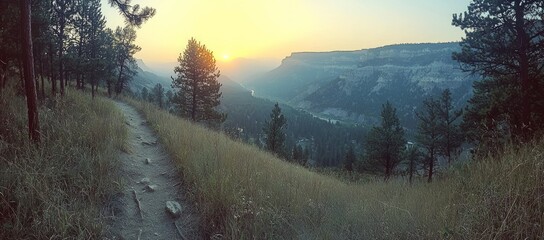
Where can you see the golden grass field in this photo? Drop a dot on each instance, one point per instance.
(245, 193)
(56, 190)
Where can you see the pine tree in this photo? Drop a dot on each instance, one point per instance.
(504, 44)
(349, 159)
(413, 159)
(144, 94)
(273, 129)
(429, 135)
(199, 90)
(158, 95)
(124, 52)
(386, 142)
(452, 138)
(134, 15)
(297, 154)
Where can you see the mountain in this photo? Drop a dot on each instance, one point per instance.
(145, 77)
(352, 85)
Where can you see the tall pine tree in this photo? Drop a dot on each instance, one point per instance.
(199, 90)
(504, 43)
(452, 137)
(385, 143)
(429, 135)
(273, 129)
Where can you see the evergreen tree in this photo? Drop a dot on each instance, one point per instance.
(168, 98)
(297, 154)
(386, 142)
(199, 90)
(429, 135)
(158, 95)
(124, 51)
(505, 44)
(413, 159)
(144, 94)
(452, 138)
(273, 129)
(350, 159)
(134, 14)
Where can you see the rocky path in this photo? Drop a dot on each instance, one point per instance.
(151, 184)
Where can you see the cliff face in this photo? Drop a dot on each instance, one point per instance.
(352, 86)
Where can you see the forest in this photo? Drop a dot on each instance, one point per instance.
(53, 52)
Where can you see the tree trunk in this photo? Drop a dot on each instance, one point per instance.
(523, 71)
(119, 84)
(411, 169)
(109, 87)
(431, 166)
(30, 88)
(42, 67)
(4, 66)
(193, 107)
(387, 168)
(21, 71)
(62, 23)
(51, 72)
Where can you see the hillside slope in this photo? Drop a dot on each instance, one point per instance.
(55, 190)
(245, 193)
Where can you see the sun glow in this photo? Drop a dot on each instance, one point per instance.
(275, 29)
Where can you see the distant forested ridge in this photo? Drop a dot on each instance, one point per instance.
(325, 141)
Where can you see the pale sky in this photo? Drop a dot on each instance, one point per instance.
(276, 28)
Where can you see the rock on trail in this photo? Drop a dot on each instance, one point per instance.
(151, 183)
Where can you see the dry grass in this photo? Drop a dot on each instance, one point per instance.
(245, 193)
(55, 190)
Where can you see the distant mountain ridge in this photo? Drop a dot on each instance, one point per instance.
(352, 85)
(145, 77)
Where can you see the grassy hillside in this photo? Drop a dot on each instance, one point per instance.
(244, 193)
(55, 190)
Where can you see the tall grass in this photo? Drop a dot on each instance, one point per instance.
(55, 190)
(245, 193)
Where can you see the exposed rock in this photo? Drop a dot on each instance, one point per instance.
(147, 161)
(352, 85)
(173, 208)
(150, 143)
(145, 181)
(150, 188)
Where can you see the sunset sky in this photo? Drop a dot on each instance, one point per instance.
(275, 28)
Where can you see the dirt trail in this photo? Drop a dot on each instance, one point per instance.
(152, 222)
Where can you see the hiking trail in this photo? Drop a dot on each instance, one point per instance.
(151, 180)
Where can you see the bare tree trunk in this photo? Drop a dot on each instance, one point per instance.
(30, 88)
(523, 71)
(51, 71)
(21, 73)
(42, 78)
(4, 66)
